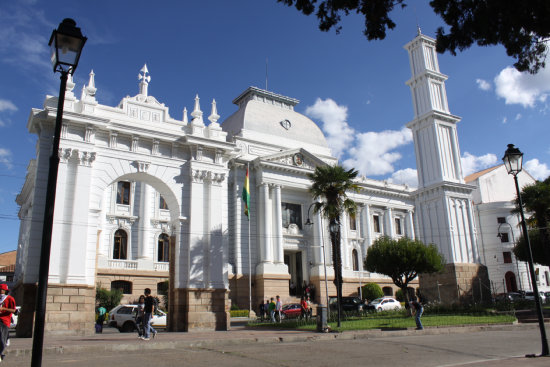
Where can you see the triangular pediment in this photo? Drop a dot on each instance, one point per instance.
(294, 158)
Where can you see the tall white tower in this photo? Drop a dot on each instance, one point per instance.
(443, 201)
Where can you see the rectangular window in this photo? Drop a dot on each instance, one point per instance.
(123, 193)
(376, 223)
(398, 229)
(501, 219)
(292, 214)
(352, 222)
(504, 237)
(507, 255)
(162, 203)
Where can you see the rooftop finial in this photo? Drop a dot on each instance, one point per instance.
(214, 117)
(418, 30)
(197, 113)
(185, 120)
(145, 79)
(90, 88)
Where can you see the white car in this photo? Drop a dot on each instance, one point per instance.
(123, 317)
(384, 304)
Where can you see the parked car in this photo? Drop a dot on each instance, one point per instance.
(348, 304)
(291, 310)
(530, 296)
(15, 317)
(384, 304)
(509, 297)
(123, 317)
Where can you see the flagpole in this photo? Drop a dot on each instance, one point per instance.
(249, 256)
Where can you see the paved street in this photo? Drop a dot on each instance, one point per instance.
(481, 348)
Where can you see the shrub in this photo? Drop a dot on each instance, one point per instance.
(235, 307)
(108, 298)
(239, 313)
(372, 291)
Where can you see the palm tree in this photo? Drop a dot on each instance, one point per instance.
(330, 184)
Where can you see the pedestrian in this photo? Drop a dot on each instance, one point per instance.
(309, 308)
(139, 315)
(279, 307)
(7, 309)
(262, 310)
(148, 312)
(101, 311)
(271, 308)
(417, 309)
(303, 308)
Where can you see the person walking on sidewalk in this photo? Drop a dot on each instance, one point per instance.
(417, 311)
(7, 309)
(139, 315)
(148, 312)
(101, 311)
(279, 307)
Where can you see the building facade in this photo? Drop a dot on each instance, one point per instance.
(143, 197)
(499, 229)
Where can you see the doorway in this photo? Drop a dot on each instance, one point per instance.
(294, 262)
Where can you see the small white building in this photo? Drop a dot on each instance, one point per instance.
(499, 229)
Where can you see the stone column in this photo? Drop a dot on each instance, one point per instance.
(389, 230)
(318, 239)
(237, 222)
(410, 225)
(265, 233)
(278, 230)
(144, 240)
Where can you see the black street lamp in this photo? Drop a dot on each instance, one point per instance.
(66, 45)
(513, 160)
(334, 228)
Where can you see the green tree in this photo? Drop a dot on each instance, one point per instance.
(330, 185)
(108, 298)
(402, 260)
(536, 201)
(372, 291)
(522, 27)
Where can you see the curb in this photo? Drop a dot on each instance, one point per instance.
(268, 337)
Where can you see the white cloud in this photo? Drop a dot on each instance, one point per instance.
(538, 170)
(504, 119)
(373, 152)
(337, 131)
(483, 84)
(518, 116)
(5, 158)
(472, 163)
(407, 176)
(6, 105)
(522, 88)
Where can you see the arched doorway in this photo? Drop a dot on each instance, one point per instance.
(510, 279)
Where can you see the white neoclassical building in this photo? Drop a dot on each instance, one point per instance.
(143, 197)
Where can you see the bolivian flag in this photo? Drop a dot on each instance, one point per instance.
(246, 194)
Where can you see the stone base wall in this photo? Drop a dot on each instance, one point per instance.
(198, 309)
(70, 309)
(457, 283)
(145, 279)
(238, 291)
(267, 286)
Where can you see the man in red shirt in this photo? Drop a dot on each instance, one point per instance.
(7, 309)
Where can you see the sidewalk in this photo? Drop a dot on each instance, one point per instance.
(112, 340)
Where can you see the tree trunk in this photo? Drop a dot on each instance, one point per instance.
(337, 263)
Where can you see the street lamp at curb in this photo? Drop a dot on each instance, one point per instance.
(66, 45)
(513, 159)
(309, 223)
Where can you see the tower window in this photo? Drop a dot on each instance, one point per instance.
(162, 203)
(123, 193)
(376, 223)
(501, 220)
(292, 214)
(355, 260)
(507, 255)
(504, 237)
(352, 222)
(398, 229)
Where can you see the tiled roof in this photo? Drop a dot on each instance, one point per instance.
(476, 175)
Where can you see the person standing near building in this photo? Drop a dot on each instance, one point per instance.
(148, 311)
(279, 307)
(417, 311)
(101, 311)
(7, 309)
(271, 309)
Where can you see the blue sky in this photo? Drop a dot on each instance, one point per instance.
(354, 89)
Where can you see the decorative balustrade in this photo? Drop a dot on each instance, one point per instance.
(162, 266)
(123, 264)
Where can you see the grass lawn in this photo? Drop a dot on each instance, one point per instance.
(398, 321)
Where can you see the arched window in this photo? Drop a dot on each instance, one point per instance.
(355, 260)
(163, 254)
(511, 285)
(124, 285)
(388, 291)
(120, 245)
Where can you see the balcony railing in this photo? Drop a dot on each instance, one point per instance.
(123, 264)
